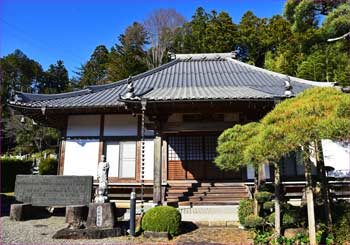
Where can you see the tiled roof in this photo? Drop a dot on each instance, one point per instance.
(187, 77)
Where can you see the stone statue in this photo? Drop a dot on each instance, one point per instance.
(101, 195)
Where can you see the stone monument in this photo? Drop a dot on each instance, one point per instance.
(101, 213)
(100, 220)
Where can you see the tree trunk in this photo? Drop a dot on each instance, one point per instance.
(277, 201)
(256, 189)
(324, 183)
(310, 199)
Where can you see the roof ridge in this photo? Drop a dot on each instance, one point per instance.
(284, 76)
(96, 88)
(204, 56)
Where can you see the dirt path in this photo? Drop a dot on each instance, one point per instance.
(40, 231)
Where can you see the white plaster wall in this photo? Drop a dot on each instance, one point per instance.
(251, 172)
(83, 125)
(149, 159)
(81, 157)
(337, 155)
(112, 156)
(120, 125)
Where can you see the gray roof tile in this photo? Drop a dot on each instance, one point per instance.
(184, 78)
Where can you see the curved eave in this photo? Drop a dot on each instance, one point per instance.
(284, 76)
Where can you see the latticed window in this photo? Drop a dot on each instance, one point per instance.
(192, 147)
(210, 143)
(176, 149)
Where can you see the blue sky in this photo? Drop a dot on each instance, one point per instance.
(70, 30)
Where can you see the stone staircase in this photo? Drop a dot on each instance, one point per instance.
(205, 193)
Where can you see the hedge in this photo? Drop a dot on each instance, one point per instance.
(10, 167)
(48, 166)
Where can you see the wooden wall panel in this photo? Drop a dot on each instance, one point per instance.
(176, 171)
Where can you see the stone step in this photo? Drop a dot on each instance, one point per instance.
(207, 190)
(215, 198)
(240, 194)
(171, 190)
(208, 203)
(221, 188)
(221, 184)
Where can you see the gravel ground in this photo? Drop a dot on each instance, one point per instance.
(40, 231)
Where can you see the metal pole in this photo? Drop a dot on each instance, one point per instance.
(132, 211)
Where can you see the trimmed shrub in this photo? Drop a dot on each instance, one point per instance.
(10, 167)
(48, 166)
(253, 221)
(246, 207)
(269, 205)
(162, 218)
(263, 196)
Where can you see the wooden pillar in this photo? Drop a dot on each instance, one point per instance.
(157, 181)
(62, 148)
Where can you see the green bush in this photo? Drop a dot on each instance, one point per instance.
(48, 166)
(246, 207)
(262, 237)
(253, 221)
(269, 205)
(10, 167)
(263, 196)
(162, 218)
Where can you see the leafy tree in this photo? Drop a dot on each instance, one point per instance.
(199, 24)
(55, 79)
(221, 33)
(18, 72)
(95, 70)
(128, 58)
(28, 136)
(304, 14)
(326, 63)
(301, 122)
(253, 39)
(231, 145)
(337, 22)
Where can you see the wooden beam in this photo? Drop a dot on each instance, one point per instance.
(100, 149)
(157, 182)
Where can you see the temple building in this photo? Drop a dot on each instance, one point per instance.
(159, 129)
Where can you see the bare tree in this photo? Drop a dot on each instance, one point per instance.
(161, 26)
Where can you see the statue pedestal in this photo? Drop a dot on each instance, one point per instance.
(101, 215)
